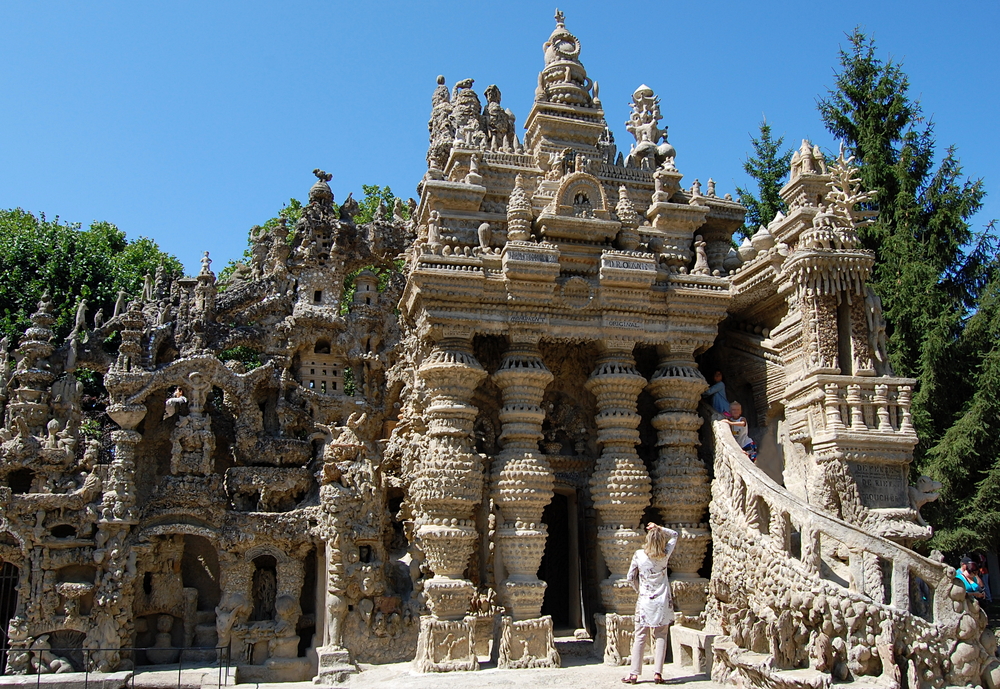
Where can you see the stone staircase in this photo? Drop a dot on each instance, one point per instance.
(803, 599)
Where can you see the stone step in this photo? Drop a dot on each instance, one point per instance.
(750, 669)
(205, 636)
(572, 647)
(199, 655)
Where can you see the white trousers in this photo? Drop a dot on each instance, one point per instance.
(639, 646)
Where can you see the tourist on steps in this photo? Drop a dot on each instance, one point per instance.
(717, 393)
(654, 608)
(741, 430)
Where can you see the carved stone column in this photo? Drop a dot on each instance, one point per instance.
(118, 516)
(620, 488)
(447, 487)
(522, 487)
(681, 490)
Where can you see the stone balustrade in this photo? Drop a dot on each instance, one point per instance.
(853, 409)
(811, 575)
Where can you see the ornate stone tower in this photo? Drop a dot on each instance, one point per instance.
(523, 252)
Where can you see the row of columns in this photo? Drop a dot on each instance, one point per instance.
(449, 484)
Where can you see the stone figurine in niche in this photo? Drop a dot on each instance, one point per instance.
(162, 651)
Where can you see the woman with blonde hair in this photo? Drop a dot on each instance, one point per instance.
(654, 608)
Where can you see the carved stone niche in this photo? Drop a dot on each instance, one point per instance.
(320, 370)
(267, 489)
(579, 211)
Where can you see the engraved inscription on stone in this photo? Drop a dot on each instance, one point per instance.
(880, 485)
(527, 318)
(526, 256)
(628, 265)
(623, 324)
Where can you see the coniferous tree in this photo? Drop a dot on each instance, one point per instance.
(931, 271)
(925, 272)
(967, 457)
(769, 167)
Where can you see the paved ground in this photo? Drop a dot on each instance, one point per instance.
(578, 673)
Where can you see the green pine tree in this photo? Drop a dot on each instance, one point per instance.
(929, 267)
(769, 167)
(933, 272)
(966, 459)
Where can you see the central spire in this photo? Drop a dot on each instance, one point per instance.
(564, 79)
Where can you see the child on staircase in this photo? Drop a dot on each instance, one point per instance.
(741, 430)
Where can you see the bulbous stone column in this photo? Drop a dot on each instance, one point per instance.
(447, 487)
(681, 490)
(619, 486)
(522, 487)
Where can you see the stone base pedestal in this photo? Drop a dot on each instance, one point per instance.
(277, 670)
(527, 643)
(615, 634)
(690, 593)
(446, 645)
(692, 649)
(334, 666)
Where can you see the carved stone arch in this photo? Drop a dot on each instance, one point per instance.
(578, 186)
(12, 547)
(168, 528)
(176, 374)
(160, 345)
(237, 386)
(256, 551)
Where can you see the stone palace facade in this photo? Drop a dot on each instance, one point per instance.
(448, 425)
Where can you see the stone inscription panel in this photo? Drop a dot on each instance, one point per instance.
(880, 485)
(620, 323)
(628, 265)
(529, 256)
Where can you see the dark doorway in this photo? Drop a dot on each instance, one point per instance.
(560, 567)
(264, 588)
(9, 576)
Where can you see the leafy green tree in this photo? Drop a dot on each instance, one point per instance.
(38, 255)
(935, 274)
(374, 195)
(769, 167)
(291, 212)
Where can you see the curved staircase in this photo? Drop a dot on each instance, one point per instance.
(802, 599)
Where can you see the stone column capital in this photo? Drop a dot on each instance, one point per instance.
(616, 346)
(524, 336)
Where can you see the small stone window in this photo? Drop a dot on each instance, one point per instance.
(63, 531)
(318, 296)
(20, 481)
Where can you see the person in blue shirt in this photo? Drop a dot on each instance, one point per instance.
(969, 576)
(717, 392)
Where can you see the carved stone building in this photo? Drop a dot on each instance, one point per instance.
(453, 459)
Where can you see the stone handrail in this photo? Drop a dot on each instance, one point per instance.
(785, 509)
(864, 582)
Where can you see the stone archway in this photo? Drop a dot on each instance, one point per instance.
(10, 577)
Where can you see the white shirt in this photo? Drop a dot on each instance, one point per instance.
(654, 606)
(741, 432)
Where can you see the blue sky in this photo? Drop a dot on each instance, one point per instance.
(188, 122)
